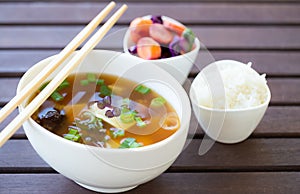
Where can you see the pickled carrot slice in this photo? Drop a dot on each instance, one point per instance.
(177, 28)
(147, 48)
(139, 27)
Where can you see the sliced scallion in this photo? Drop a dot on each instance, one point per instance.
(157, 102)
(73, 131)
(130, 143)
(115, 132)
(105, 91)
(91, 77)
(140, 122)
(127, 117)
(142, 89)
(56, 96)
(63, 85)
(100, 82)
(84, 82)
(72, 135)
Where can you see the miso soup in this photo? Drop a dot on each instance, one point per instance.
(107, 111)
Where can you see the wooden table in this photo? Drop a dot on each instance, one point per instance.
(266, 33)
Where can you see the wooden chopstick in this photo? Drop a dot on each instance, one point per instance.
(10, 129)
(72, 46)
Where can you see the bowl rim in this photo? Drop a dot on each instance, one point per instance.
(177, 87)
(197, 43)
(193, 100)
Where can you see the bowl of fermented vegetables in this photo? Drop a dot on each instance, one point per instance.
(165, 41)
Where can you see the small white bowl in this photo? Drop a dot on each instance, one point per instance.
(179, 66)
(104, 169)
(224, 125)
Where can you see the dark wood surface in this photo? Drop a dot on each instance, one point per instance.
(266, 33)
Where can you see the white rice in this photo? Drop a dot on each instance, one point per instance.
(242, 85)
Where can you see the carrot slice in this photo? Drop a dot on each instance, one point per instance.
(177, 28)
(139, 27)
(147, 48)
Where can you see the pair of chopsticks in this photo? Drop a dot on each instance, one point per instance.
(10, 129)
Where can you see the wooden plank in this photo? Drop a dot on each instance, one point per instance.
(250, 155)
(21, 154)
(214, 37)
(188, 13)
(284, 90)
(173, 1)
(258, 154)
(273, 63)
(8, 88)
(273, 124)
(278, 121)
(16, 62)
(281, 94)
(219, 183)
(20, 133)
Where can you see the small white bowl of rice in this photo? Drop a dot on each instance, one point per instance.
(229, 99)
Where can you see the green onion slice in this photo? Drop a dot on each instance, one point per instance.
(140, 122)
(158, 102)
(127, 117)
(72, 135)
(130, 143)
(56, 96)
(115, 132)
(91, 77)
(84, 82)
(63, 85)
(105, 91)
(100, 82)
(142, 89)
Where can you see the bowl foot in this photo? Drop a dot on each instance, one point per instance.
(106, 190)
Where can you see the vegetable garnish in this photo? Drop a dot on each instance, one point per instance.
(115, 132)
(127, 117)
(142, 89)
(63, 85)
(105, 90)
(56, 96)
(130, 143)
(91, 77)
(140, 122)
(188, 35)
(84, 82)
(72, 135)
(157, 102)
(100, 82)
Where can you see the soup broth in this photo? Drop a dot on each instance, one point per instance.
(107, 111)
